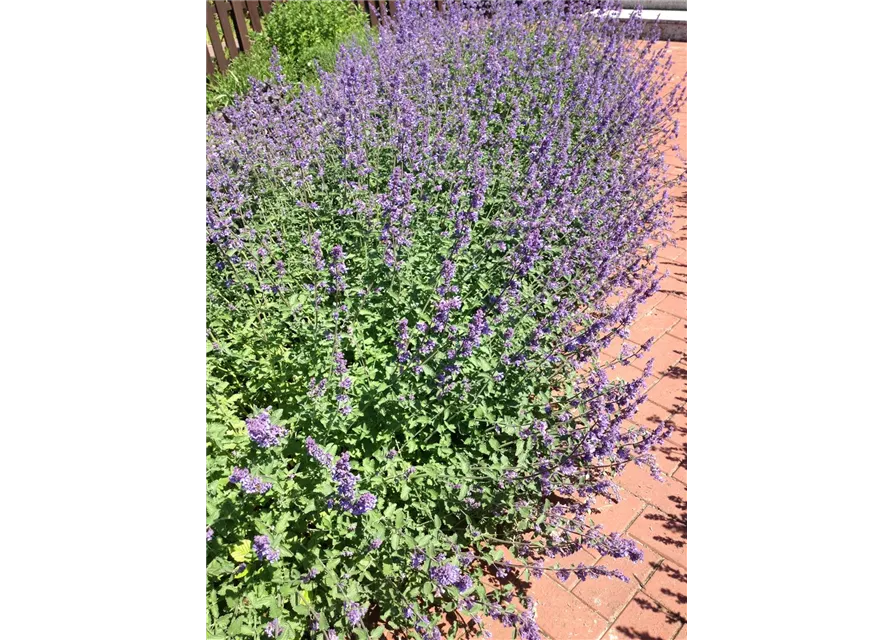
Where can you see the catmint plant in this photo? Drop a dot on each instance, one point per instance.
(415, 270)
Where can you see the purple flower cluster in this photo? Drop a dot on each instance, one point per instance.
(416, 559)
(249, 483)
(524, 622)
(354, 613)
(364, 504)
(345, 480)
(264, 550)
(262, 431)
(403, 341)
(273, 628)
(318, 453)
(337, 269)
(209, 534)
(477, 328)
(618, 547)
(445, 575)
(317, 387)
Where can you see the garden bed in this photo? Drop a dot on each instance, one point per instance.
(404, 264)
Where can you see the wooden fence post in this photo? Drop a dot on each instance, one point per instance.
(241, 27)
(222, 62)
(253, 13)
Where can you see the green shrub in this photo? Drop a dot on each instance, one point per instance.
(305, 32)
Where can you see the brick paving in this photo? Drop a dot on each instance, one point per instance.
(652, 606)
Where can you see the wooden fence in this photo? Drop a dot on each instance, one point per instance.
(229, 19)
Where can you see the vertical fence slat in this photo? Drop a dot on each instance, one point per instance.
(392, 8)
(267, 6)
(241, 27)
(253, 14)
(222, 62)
(223, 15)
(382, 10)
(369, 6)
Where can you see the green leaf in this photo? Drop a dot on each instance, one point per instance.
(520, 445)
(241, 552)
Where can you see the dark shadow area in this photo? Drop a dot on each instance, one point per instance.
(676, 530)
(677, 373)
(673, 286)
(674, 574)
(682, 198)
(672, 452)
(626, 631)
(676, 266)
(679, 598)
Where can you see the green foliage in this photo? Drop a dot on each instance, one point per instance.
(305, 32)
(223, 87)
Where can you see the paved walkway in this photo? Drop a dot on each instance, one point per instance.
(652, 606)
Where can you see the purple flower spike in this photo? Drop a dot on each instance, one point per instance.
(263, 549)
(273, 629)
(263, 432)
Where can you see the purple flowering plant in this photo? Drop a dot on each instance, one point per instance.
(414, 271)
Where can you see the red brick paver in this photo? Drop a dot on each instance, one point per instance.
(645, 619)
(664, 533)
(653, 605)
(609, 596)
(563, 615)
(668, 587)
